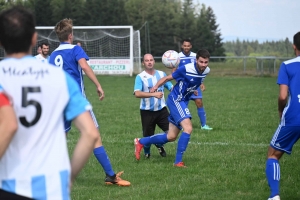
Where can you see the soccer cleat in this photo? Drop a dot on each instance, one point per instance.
(274, 198)
(138, 148)
(147, 155)
(180, 164)
(162, 151)
(116, 180)
(206, 127)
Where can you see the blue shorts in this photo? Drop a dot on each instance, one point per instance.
(68, 123)
(199, 96)
(285, 137)
(178, 111)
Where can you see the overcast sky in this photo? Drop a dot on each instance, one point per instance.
(256, 19)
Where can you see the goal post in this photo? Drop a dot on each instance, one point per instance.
(112, 49)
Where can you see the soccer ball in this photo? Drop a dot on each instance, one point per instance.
(170, 59)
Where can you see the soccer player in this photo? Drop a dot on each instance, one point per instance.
(34, 160)
(187, 56)
(44, 55)
(188, 78)
(72, 59)
(153, 108)
(288, 131)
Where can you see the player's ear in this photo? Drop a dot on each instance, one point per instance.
(294, 47)
(34, 39)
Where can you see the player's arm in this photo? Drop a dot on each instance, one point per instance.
(85, 145)
(8, 123)
(161, 82)
(140, 94)
(282, 98)
(89, 72)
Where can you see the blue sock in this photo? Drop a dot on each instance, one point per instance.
(103, 159)
(154, 139)
(181, 146)
(202, 116)
(273, 176)
(147, 149)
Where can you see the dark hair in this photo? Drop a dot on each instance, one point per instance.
(203, 53)
(186, 40)
(43, 43)
(17, 26)
(297, 40)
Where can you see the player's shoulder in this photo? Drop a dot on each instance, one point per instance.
(207, 70)
(193, 54)
(291, 61)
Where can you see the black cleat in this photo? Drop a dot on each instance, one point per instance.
(162, 151)
(147, 155)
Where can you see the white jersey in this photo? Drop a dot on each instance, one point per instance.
(41, 58)
(36, 163)
(186, 59)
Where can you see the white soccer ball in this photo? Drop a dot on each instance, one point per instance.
(171, 59)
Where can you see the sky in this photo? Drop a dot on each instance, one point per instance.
(256, 19)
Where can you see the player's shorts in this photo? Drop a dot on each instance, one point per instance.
(11, 196)
(178, 111)
(199, 96)
(69, 123)
(285, 137)
(152, 118)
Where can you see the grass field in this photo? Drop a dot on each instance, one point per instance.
(225, 163)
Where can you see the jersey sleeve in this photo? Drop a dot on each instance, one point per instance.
(283, 78)
(168, 84)
(77, 104)
(178, 74)
(138, 84)
(80, 53)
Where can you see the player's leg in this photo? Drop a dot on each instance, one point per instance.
(148, 126)
(163, 123)
(200, 110)
(282, 142)
(103, 159)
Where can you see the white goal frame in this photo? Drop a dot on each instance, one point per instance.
(106, 65)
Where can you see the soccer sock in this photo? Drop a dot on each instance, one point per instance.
(202, 116)
(160, 138)
(181, 146)
(103, 159)
(273, 176)
(147, 149)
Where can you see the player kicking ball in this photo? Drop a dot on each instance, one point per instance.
(188, 78)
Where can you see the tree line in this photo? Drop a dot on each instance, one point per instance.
(162, 23)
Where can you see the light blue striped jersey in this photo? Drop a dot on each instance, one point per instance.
(36, 163)
(289, 74)
(144, 82)
(185, 59)
(66, 56)
(188, 79)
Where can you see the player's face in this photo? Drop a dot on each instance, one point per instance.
(186, 47)
(45, 50)
(148, 61)
(202, 63)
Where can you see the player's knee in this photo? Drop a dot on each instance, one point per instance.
(199, 103)
(188, 129)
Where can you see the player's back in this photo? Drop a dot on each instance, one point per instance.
(66, 56)
(37, 157)
(290, 75)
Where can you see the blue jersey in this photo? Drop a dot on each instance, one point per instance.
(67, 56)
(289, 74)
(144, 82)
(188, 79)
(186, 59)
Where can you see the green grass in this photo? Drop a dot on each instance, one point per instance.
(225, 163)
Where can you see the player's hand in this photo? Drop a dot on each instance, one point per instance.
(153, 89)
(158, 95)
(100, 93)
(196, 92)
(202, 87)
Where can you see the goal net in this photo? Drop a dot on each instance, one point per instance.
(111, 49)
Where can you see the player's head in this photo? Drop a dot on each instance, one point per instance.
(202, 59)
(17, 26)
(186, 46)
(44, 48)
(64, 30)
(296, 43)
(148, 61)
